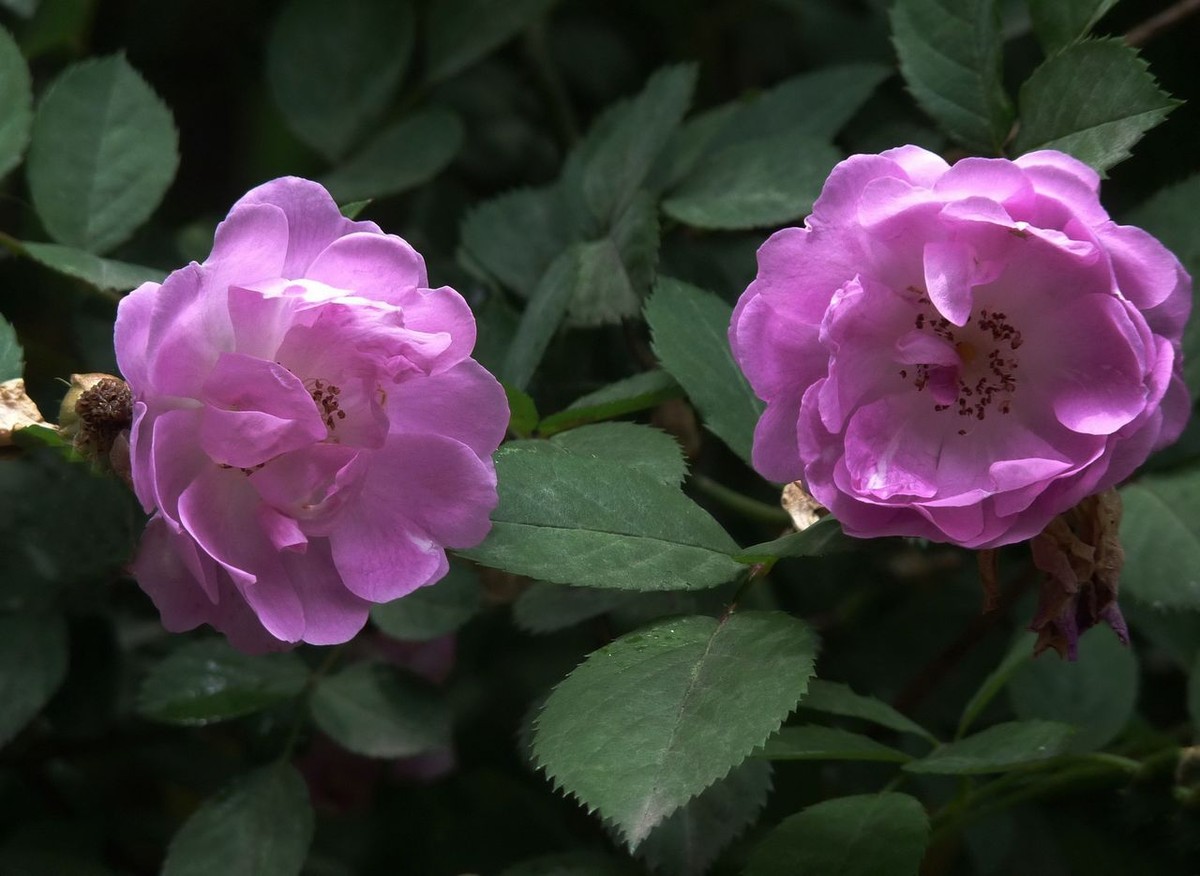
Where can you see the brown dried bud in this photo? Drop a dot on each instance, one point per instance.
(17, 410)
(94, 413)
(1080, 552)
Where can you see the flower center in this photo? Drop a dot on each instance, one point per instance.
(985, 376)
(325, 396)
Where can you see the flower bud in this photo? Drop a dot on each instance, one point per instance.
(95, 412)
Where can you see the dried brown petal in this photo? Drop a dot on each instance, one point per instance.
(1080, 552)
(801, 506)
(17, 410)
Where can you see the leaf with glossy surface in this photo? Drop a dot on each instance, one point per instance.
(261, 826)
(822, 538)
(570, 519)
(432, 611)
(16, 103)
(1060, 22)
(651, 720)
(12, 357)
(636, 393)
(688, 841)
(209, 681)
(333, 67)
(91, 269)
(1096, 694)
(460, 32)
(622, 158)
(814, 742)
(754, 184)
(950, 55)
(997, 749)
(690, 330)
(373, 710)
(103, 152)
(833, 698)
(1160, 532)
(641, 448)
(865, 835)
(33, 664)
(406, 154)
(1093, 100)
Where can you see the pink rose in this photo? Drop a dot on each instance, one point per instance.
(309, 429)
(961, 353)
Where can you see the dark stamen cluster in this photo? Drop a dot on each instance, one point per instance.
(998, 383)
(326, 397)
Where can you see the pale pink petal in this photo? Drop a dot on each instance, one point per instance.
(465, 403)
(379, 266)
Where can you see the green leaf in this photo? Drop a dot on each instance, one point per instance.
(688, 841)
(12, 357)
(1018, 655)
(652, 719)
(814, 742)
(818, 103)
(1096, 694)
(33, 664)
(517, 235)
(637, 393)
(406, 154)
(16, 103)
(1160, 532)
(548, 608)
(90, 268)
(1060, 22)
(833, 698)
(641, 448)
(1170, 216)
(865, 835)
(352, 209)
(23, 8)
(754, 184)
(522, 411)
(434, 610)
(1093, 100)
(950, 55)
(997, 749)
(208, 681)
(570, 519)
(822, 538)
(333, 67)
(372, 710)
(621, 159)
(104, 151)
(460, 32)
(545, 312)
(261, 826)
(691, 339)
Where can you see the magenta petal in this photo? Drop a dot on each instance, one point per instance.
(892, 449)
(257, 410)
(465, 403)
(311, 484)
(379, 266)
(332, 614)
(131, 334)
(250, 245)
(949, 278)
(313, 219)
(381, 560)
(922, 348)
(442, 313)
(1146, 271)
(161, 572)
(923, 168)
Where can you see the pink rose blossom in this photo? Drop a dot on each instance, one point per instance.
(309, 429)
(961, 353)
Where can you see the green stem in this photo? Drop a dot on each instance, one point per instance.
(323, 669)
(750, 508)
